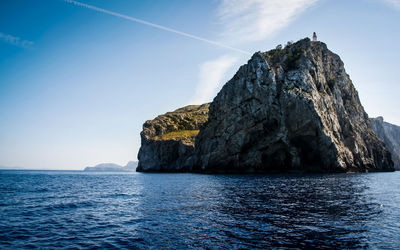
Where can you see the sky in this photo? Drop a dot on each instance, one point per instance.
(78, 79)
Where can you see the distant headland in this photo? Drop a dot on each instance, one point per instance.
(112, 167)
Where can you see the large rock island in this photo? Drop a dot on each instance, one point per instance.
(286, 110)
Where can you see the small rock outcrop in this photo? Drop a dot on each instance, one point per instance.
(390, 135)
(289, 110)
(167, 142)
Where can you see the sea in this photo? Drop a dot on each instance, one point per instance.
(81, 210)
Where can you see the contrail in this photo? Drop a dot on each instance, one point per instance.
(154, 25)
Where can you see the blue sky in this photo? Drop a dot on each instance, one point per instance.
(76, 84)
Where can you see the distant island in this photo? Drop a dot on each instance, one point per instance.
(112, 167)
(293, 109)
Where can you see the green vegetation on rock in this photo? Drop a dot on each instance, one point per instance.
(184, 119)
(186, 136)
(168, 140)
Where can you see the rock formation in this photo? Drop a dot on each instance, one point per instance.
(290, 110)
(286, 110)
(390, 135)
(168, 140)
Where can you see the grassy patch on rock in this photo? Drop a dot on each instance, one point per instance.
(181, 135)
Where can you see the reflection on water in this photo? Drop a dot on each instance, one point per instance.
(72, 209)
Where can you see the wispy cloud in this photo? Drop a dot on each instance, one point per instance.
(211, 75)
(16, 41)
(161, 27)
(244, 21)
(255, 20)
(395, 3)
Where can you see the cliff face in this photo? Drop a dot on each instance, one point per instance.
(390, 135)
(290, 110)
(168, 140)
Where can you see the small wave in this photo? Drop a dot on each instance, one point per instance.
(71, 205)
(120, 195)
(41, 190)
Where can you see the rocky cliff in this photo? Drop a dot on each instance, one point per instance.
(168, 140)
(390, 135)
(290, 110)
(286, 110)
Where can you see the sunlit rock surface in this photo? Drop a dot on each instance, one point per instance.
(168, 140)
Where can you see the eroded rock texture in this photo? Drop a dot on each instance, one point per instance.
(390, 135)
(168, 140)
(290, 110)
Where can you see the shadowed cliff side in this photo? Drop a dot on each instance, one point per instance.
(168, 140)
(390, 135)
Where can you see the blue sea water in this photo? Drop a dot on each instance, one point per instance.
(72, 209)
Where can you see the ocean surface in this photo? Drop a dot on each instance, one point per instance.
(72, 209)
